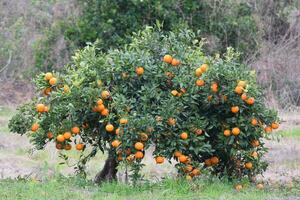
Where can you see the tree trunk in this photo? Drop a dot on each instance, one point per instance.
(109, 171)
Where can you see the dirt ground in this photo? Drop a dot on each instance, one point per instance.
(18, 160)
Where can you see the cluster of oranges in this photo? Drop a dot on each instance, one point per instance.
(63, 140)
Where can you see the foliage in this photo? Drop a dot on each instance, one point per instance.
(127, 100)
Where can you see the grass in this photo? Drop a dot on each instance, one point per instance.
(295, 133)
(169, 189)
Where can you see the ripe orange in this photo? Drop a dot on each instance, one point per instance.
(46, 109)
(99, 102)
(198, 72)
(235, 109)
(79, 146)
(227, 133)
(139, 71)
(139, 155)
(75, 130)
(183, 159)
(105, 112)
(48, 76)
(174, 92)
(214, 160)
(209, 98)
(254, 122)
(159, 160)
(59, 146)
(67, 135)
(238, 90)
(238, 187)
(198, 131)
(109, 128)
(68, 147)
(242, 84)
(49, 135)
(184, 135)
(188, 168)
(200, 82)
(53, 81)
(35, 127)
(248, 165)
(100, 108)
(175, 62)
(168, 59)
(204, 68)
(115, 143)
(207, 162)
(274, 125)
(40, 107)
(60, 138)
(143, 137)
(236, 131)
(214, 87)
(260, 186)
(244, 97)
(117, 131)
(105, 94)
(268, 129)
(171, 121)
(177, 154)
(255, 143)
(254, 154)
(139, 146)
(47, 91)
(196, 172)
(250, 101)
(123, 121)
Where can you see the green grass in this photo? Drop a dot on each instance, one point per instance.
(295, 133)
(75, 188)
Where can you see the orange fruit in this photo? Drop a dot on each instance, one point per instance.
(260, 186)
(66, 89)
(238, 187)
(139, 155)
(250, 101)
(254, 154)
(99, 108)
(60, 138)
(198, 131)
(268, 129)
(204, 68)
(207, 162)
(255, 143)
(105, 94)
(254, 122)
(196, 172)
(236, 131)
(59, 146)
(40, 107)
(46, 109)
(105, 112)
(50, 135)
(183, 159)
(242, 84)
(159, 160)
(214, 160)
(198, 72)
(123, 121)
(75, 130)
(188, 177)
(68, 147)
(53, 81)
(248, 165)
(115, 143)
(227, 133)
(177, 154)
(214, 87)
(274, 125)
(174, 92)
(238, 90)
(168, 59)
(209, 98)
(139, 146)
(99, 102)
(48, 76)
(235, 109)
(200, 82)
(47, 91)
(35, 127)
(171, 121)
(175, 62)
(109, 128)
(244, 97)
(184, 135)
(67, 135)
(143, 137)
(79, 146)
(188, 168)
(117, 131)
(139, 71)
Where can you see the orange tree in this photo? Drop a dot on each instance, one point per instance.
(203, 113)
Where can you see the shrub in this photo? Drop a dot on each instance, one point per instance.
(206, 113)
